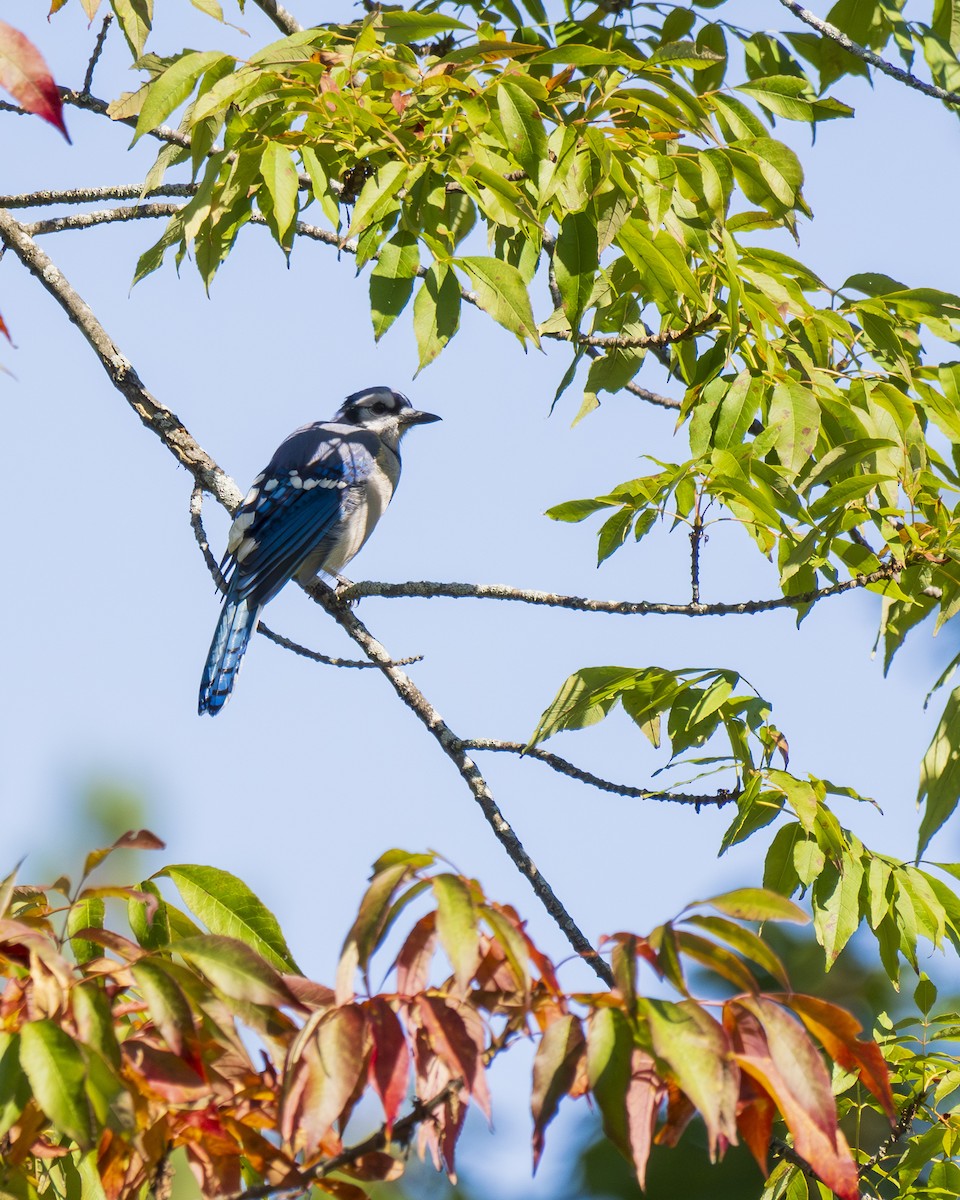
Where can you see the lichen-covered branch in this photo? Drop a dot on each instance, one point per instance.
(430, 590)
(827, 30)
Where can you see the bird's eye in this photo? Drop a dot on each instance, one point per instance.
(379, 408)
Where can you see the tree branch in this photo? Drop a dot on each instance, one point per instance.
(279, 16)
(429, 590)
(452, 746)
(715, 799)
(868, 56)
(156, 416)
(93, 104)
(122, 191)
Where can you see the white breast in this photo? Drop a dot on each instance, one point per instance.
(364, 505)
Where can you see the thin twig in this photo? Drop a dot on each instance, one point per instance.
(905, 1119)
(715, 799)
(103, 216)
(429, 590)
(95, 105)
(868, 56)
(452, 746)
(696, 538)
(376, 1142)
(156, 416)
(666, 337)
(95, 56)
(200, 533)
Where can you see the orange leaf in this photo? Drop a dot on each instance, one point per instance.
(774, 1049)
(836, 1030)
(5, 331)
(26, 76)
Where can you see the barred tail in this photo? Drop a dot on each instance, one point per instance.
(237, 621)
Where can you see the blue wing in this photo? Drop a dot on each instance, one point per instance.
(290, 512)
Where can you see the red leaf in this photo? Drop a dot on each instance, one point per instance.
(323, 1079)
(27, 77)
(773, 1047)
(213, 1155)
(554, 1070)
(644, 1094)
(836, 1030)
(163, 1074)
(139, 839)
(416, 955)
(755, 1113)
(390, 1061)
(455, 1047)
(5, 331)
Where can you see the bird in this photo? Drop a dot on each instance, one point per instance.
(308, 512)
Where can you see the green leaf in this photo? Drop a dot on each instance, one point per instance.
(55, 1069)
(940, 773)
(88, 913)
(406, 27)
(585, 698)
(152, 932)
(609, 1045)
(457, 926)
(684, 54)
(756, 904)
(227, 906)
(436, 312)
(791, 96)
(575, 263)
(282, 184)
(575, 510)
(795, 414)
(14, 1089)
(234, 968)
(554, 1070)
(694, 1046)
(378, 196)
(168, 1006)
(836, 905)
(502, 293)
(169, 90)
(135, 18)
(391, 280)
(523, 126)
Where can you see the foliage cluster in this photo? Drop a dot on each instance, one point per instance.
(608, 180)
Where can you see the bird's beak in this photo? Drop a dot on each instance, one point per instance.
(413, 416)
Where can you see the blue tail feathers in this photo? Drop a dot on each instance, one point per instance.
(237, 621)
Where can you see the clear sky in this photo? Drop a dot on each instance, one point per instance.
(310, 773)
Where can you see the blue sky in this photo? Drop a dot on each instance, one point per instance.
(310, 773)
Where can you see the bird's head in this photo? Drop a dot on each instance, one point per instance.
(381, 410)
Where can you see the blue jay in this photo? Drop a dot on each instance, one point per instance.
(310, 511)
